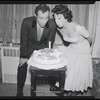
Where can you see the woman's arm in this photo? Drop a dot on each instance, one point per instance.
(82, 31)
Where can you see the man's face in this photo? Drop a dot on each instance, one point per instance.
(60, 20)
(42, 18)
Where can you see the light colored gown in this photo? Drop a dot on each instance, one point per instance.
(79, 74)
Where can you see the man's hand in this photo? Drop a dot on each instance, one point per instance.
(22, 61)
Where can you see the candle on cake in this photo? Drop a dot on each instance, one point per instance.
(49, 44)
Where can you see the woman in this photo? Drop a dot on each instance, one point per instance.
(79, 73)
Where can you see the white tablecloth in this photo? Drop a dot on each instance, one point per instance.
(45, 66)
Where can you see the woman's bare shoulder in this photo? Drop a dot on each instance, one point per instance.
(74, 25)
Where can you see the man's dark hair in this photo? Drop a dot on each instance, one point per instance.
(42, 7)
(62, 9)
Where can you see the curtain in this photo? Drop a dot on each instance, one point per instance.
(12, 15)
(94, 28)
(6, 22)
(80, 13)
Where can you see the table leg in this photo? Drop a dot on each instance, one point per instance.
(62, 82)
(33, 84)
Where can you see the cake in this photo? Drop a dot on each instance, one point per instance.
(47, 56)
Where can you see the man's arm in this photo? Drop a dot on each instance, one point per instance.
(23, 40)
(23, 43)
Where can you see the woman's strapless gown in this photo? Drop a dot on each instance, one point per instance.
(79, 74)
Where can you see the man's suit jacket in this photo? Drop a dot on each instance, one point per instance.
(28, 38)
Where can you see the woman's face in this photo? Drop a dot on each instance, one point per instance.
(60, 20)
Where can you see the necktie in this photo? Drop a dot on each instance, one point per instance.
(39, 33)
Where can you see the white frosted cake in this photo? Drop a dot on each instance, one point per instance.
(47, 56)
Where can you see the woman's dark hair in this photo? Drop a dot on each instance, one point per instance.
(62, 9)
(42, 7)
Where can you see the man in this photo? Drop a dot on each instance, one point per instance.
(36, 32)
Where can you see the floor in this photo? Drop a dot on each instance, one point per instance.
(9, 89)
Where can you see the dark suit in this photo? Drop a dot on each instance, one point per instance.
(28, 39)
(29, 43)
